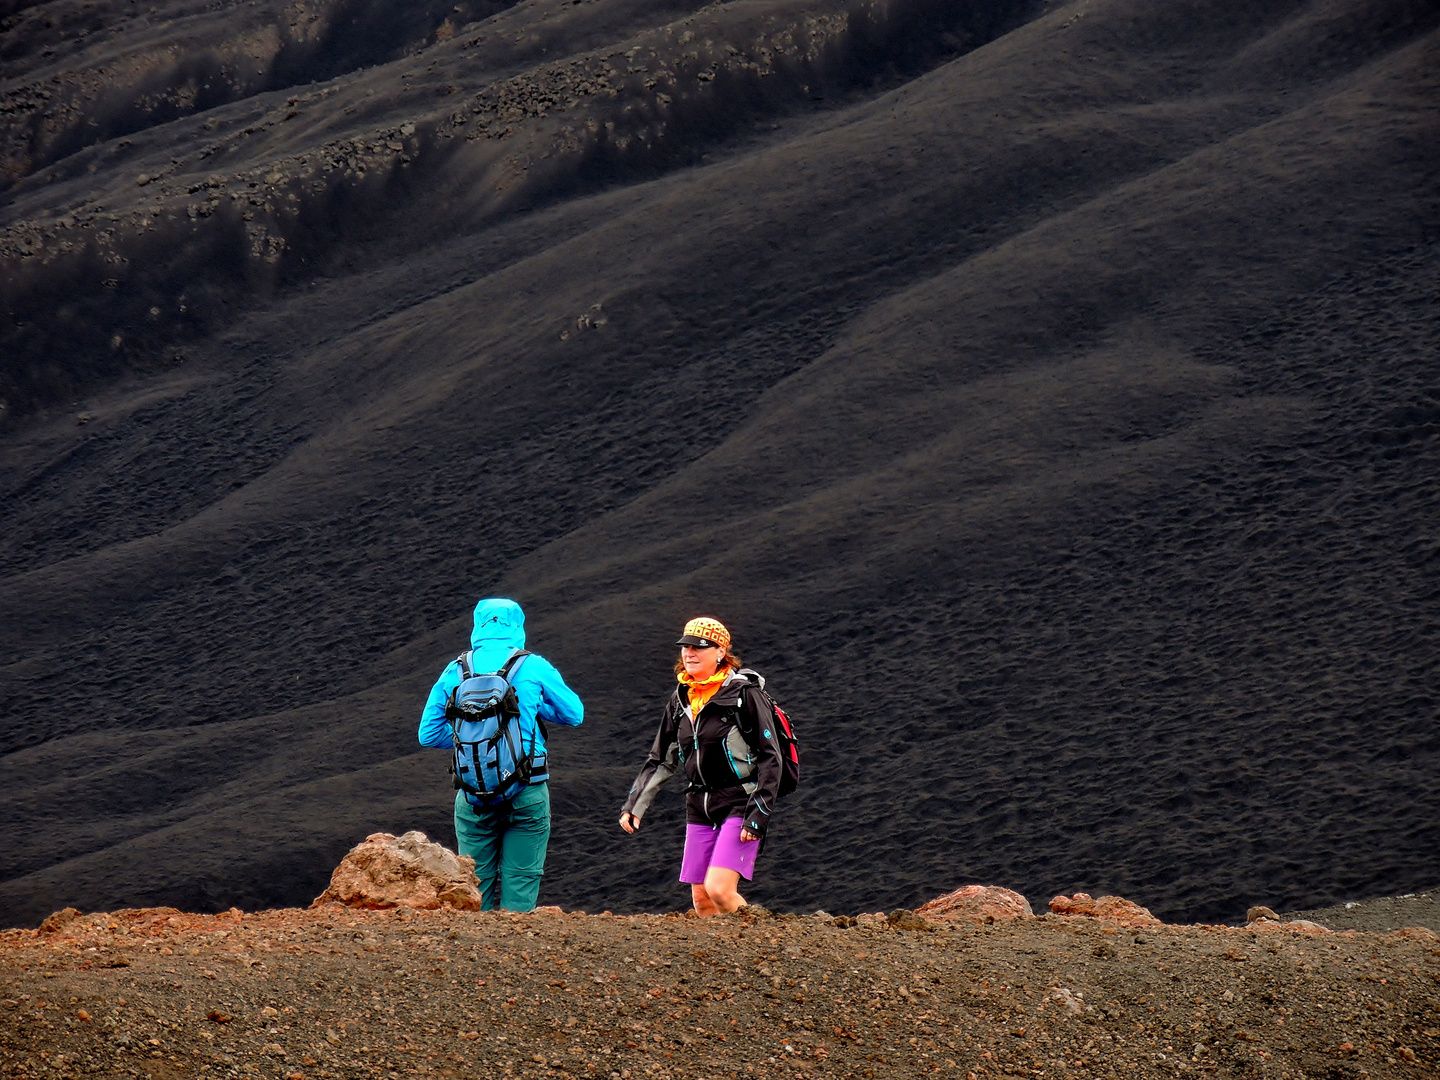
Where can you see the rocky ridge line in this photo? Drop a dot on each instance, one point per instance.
(339, 992)
(972, 984)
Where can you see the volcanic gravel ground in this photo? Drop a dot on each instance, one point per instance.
(1380, 914)
(338, 993)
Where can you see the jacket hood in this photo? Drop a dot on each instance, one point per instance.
(500, 622)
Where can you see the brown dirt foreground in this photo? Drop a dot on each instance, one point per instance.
(334, 992)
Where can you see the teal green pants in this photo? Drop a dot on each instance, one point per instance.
(508, 844)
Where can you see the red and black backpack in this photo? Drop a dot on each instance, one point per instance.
(789, 749)
(785, 733)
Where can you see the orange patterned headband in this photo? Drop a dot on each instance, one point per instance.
(707, 629)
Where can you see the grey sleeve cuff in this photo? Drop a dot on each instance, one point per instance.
(647, 795)
(656, 780)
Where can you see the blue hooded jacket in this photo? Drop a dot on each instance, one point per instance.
(539, 689)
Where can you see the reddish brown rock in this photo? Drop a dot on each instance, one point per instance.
(409, 871)
(1113, 909)
(1298, 926)
(57, 920)
(977, 904)
(905, 919)
(1416, 933)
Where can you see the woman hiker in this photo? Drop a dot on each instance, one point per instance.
(720, 727)
(506, 836)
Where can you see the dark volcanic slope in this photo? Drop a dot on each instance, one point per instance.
(1046, 397)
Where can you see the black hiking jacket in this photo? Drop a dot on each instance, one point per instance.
(730, 753)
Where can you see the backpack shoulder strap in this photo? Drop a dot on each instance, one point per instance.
(451, 712)
(508, 669)
(742, 718)
(507, 672)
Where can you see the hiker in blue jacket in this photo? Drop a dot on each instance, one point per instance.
(507, 839)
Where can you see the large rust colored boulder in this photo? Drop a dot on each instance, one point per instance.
(408, 871)
(1113, 909)
(977, 904)
(59, 920)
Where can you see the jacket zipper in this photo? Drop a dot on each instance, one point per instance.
(695, 744)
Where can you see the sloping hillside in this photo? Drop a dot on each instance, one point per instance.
(1045, 396)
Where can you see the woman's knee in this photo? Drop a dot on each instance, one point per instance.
(722, 886)
(727, 900)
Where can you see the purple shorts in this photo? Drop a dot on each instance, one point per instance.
(716, 845)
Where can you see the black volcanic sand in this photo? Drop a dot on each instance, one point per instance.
(333, 993)
(1046, 396)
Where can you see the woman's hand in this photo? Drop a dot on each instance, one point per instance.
(629, 822)
(747, 837)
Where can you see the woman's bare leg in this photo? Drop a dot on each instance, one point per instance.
(721, 885)
(701, 899)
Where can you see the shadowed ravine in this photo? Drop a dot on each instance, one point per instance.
(1044, 394)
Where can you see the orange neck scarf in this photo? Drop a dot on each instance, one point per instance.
(702, 690)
